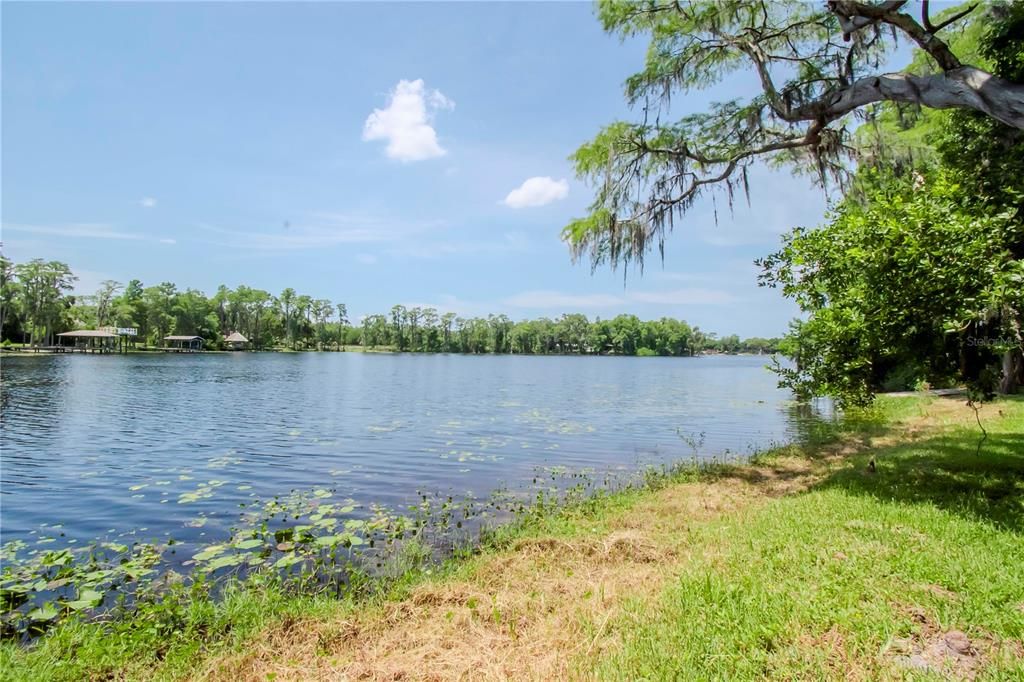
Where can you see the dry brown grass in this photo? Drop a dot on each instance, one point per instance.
(530, 612)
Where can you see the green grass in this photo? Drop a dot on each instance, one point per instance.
(161, 641)
(801, 587)
(812, 586)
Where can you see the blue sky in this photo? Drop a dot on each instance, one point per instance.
(367, 153)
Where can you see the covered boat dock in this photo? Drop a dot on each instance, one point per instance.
(182, 344)
(88, 341)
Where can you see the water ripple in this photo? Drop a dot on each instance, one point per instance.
(105, 443)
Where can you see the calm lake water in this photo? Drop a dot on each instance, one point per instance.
(114, 445)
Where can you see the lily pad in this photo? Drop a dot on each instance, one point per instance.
(287, 560)
(209, 553)
(43, 613)
(87, 599)
(224, 561)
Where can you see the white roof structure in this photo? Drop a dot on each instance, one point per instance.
(89, 334)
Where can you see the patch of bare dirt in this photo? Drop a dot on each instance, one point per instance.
(950, 653)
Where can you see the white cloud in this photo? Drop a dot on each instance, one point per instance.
(366, 258)
(537, 191)
(75, 231)
(406, 122)
(85, 231)
(147, 202)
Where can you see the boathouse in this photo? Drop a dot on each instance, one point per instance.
(182, 344)
(87, 341)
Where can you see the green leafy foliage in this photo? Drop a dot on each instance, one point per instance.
(918, 276)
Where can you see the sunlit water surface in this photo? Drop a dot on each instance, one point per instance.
(115, 445)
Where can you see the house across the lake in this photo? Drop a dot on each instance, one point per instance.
(236, 341)
(183, 344)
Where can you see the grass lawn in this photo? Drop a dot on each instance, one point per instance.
(805, 564)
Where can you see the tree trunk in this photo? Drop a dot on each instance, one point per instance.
(1013, 366)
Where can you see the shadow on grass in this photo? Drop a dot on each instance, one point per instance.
(945, 471)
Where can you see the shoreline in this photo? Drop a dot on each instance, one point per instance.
(25, 350)
(625, 546)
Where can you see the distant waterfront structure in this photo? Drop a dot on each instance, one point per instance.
(183, 344)
(236, 341)
(88, 341)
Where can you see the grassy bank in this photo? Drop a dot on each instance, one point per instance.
(805, 564)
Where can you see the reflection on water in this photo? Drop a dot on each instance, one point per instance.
(172, 445)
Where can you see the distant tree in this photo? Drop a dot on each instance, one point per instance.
(431, 341)
(8, 290)
(729, 344)
(626, 334)
(303, 314)
(375, 331)
(287, 303)
(41, 296)
(500, 327)
(259, 302)
(342, 323)
(446, 325)
(104, 299)
(399, 317)
(83, 312)
(322, 309)
(412, 323)
(600, 337)
(572, 332)
(194, 314)
(160, 302)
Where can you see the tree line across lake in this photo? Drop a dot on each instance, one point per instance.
(36, 303)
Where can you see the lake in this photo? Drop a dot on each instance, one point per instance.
(145, 445)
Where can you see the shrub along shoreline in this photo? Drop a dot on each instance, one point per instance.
(883, 547)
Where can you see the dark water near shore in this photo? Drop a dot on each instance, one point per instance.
(112, 444)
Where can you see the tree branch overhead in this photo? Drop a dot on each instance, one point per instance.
(818, 68)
